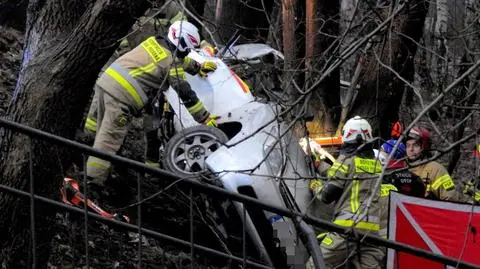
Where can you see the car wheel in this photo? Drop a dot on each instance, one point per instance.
(187, 150)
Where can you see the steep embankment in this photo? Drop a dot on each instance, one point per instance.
(10, 58)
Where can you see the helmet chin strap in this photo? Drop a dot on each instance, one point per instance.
(182, 54)
(175, 50)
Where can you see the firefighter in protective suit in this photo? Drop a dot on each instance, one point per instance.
(404, 181)
(351, 180)
(173, 13)
(439, 185)
(134, 79)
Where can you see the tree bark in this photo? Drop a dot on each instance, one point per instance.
(66, 44)
(288, 27)
(227, 15)
(467, 92)
(322, 30)
(209, 16)
(349, 15)
(290, 49)
(275, 28)
(440, 37)
(381, 90)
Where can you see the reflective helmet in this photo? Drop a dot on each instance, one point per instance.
(422, 136)
(387, 147)
(184, 35)
(356, 129)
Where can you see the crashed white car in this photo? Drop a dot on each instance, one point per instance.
(252, 152)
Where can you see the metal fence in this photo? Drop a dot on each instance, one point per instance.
(193, 184)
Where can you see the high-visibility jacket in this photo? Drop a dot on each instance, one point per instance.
(356, 176)
(439, 184)
(137, 76)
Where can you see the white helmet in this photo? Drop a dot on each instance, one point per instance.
(356, 127)
(184, 35)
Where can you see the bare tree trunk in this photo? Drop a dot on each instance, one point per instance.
(348, 14)
(275, 28)
(381, 90)
(227, 15)
(440, 34)
(66, 44)
(209, 16)
(289, 47)
(467, 92)
(322, 30)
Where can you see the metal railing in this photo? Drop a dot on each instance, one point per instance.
(297, 217)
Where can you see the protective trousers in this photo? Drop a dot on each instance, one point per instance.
(91, 121)
(112, 128)
(338, 251)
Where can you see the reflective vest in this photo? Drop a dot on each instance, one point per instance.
(137, 75)
(439, 184)
(357, 177)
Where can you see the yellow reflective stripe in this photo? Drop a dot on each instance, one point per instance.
(327, 241)
(156, 52)
(152, 164)
(444, 181)
(91, 125)
(91, 121)
(370, 166)
(337, 167)
(149, 68)
(166, 107)
(196, 108)
(98, 163)
(321, 235)
(359, 225)
(386, 189)
(124, 43)
(126, 85)
(354, 202)
(346, 216)
(177, 72)
(428, 188)
(477, 196)
(90, 128)
(341, 167)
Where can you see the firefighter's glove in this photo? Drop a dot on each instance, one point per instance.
(207, 67)
(211, 121)
(316, 150)
(476, 197)
(205, 45)
(469, 188)
(316, 186)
